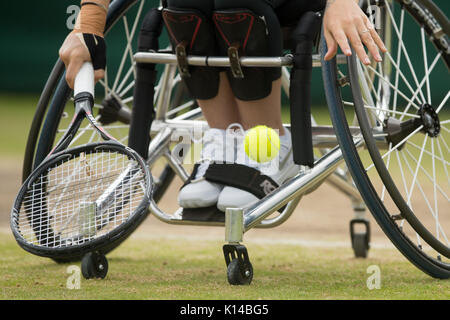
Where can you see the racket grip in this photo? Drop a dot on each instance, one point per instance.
(84, 81)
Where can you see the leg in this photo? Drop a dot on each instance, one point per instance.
(221, 111)
(266, 111)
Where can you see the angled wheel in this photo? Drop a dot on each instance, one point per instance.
(402, 110)
(114, 98)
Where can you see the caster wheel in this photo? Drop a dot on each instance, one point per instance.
(360, 245)
(360, 240)
(94, 265)
(236, 276)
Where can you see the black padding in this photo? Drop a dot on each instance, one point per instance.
(191, 28)
(241, 177)
(300, 88)
(206, 214)
(97, 50)
(248, 31)
(146, 74)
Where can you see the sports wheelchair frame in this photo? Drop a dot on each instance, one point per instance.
(382, 156)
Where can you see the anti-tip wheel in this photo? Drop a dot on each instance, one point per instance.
(360, 245)
(94, 265)
(236, 276)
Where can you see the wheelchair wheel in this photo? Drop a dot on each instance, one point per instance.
(114, 98)
(403, 174)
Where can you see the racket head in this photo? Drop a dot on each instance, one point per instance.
(82, 199)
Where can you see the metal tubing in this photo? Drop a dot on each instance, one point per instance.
(204, 61)
(234, 225)
(294, 188)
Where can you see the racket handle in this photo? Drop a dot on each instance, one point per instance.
(84, 81)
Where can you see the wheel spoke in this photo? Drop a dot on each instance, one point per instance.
(417, 167)
(395, 89)
(412, 144)
(130, 51)
(425, 63)
(399, 52)
(443, 163)
(125, 78)
(443, 102)
(128, 46)
(405, 52)
(397, 145)
(436, 211)
(433, 213)
(427, 174)
(383, 191)
(433, 64)
(393, 112)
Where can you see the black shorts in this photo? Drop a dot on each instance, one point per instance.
(276, 13)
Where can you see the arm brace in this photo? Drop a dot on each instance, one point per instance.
(90, 26)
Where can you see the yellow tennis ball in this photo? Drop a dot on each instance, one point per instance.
(262, 143)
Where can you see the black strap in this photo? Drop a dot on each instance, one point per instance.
(97, 49)
(192, 176)
(241, 177)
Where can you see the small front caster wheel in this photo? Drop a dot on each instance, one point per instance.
(238, 274)
(94, 265)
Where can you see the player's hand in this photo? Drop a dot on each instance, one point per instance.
(74, 54)
(345, 22)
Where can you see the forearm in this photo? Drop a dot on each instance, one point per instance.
(92, 17)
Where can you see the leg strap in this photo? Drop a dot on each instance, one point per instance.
(241, 177)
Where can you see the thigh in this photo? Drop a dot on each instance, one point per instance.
(263, 8)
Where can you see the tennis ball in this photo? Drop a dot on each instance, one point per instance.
(262, 143)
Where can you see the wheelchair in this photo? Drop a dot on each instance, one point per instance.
(386, 150)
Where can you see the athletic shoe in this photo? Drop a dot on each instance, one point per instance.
(279, 169)
(200, 193)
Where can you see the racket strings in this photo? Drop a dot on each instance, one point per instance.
(81, 198)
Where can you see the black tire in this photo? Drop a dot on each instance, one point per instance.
(94, 265)
(359, 245)
(414, 253)
(234, 275)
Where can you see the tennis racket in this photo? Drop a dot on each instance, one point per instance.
(85, 198)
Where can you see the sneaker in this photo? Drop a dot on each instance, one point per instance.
(200, 193)
(279, 169)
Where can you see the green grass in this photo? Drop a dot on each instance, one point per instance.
(15, 121)
(170, 269)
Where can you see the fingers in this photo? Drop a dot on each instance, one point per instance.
(375, 36)
(73, 53)
(332, 46)
(346, 25)
(357, 45)
(72, 70)
(368, 35)
(99, 74)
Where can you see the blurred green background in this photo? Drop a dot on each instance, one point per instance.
(32, 32)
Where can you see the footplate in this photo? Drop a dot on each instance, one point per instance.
(204, 215)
